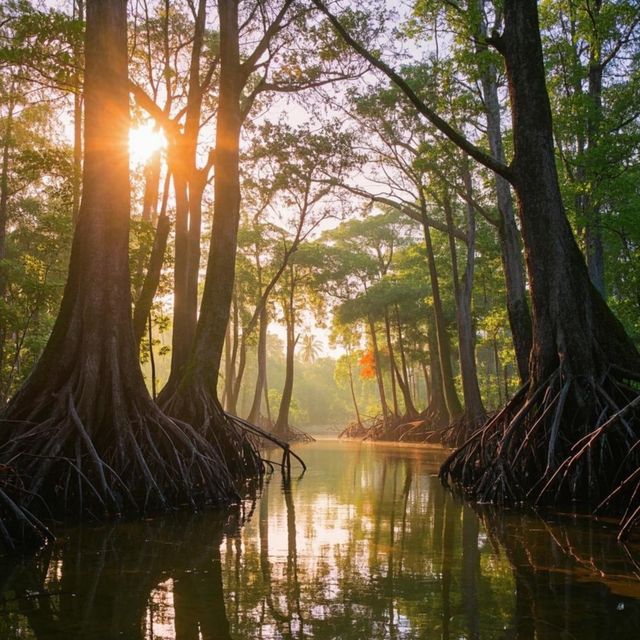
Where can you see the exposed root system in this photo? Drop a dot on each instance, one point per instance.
(568, 440)
(72, 459)
(426, 428)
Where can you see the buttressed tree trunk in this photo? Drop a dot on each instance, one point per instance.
(83, 435)
(578, 441)
(195, 396)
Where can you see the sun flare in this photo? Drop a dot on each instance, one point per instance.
(143, 142)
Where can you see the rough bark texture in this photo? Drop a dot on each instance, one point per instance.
(572, 432)
(510, 243)
(193, 395)
(189, 183)
(82, 436)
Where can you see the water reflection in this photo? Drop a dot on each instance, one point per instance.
(366, 545)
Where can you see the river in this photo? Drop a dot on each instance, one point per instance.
(366, 545)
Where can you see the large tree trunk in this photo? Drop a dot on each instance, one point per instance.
(83, 434)
(189, 184)
(193, 396)
(572, 433)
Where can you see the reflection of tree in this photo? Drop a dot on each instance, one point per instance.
(573, 580)
(98, 584)
(470, 570)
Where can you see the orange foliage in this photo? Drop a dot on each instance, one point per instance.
(367, 366)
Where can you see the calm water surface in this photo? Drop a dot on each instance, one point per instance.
(367, 545)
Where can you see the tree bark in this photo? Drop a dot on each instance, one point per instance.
(392, 362)
(454, 409)
(473, 408)
(151, 281)
(86, 400)
(378, 363)
(403, 377)
(571, 322)
(189, 184)
(254, 413)
(281, 427)
(218, 289)
(509, 236)
(353, 391)
(436, 405)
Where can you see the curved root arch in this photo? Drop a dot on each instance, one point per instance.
(75, 463)
(570, 439)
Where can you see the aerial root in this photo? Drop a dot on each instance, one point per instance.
(569, 440)
(71, 465)
(256, 431)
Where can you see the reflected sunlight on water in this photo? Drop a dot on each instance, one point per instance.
(366, 545)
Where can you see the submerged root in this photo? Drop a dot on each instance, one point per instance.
(101, 462)
(238, 440)
(569, 440)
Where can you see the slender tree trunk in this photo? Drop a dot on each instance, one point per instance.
(496, 363)
(392, 362)
(152, 172)
(353, 391)
(403, 376)
(437, 405)
(154, 268)
(242, 365)
(189, 184)
(473, 407)
(218, 290)
(450, 395)
(509, 236)
(182, 336)
(230, 351)
(281, 426)
(379, 378)
(254, 414)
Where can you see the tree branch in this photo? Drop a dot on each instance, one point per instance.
(454, 136)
